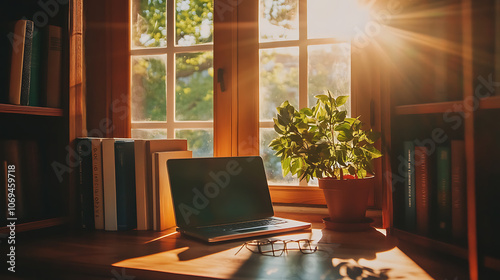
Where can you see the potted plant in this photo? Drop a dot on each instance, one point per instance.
(323, 142)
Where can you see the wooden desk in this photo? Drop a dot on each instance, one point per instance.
(167, 255)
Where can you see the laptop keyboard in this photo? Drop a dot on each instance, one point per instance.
(243, 225)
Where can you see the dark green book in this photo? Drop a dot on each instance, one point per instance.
(36, 64)
(126, 212)
(409, 185)
(84, 183)
(443, 165)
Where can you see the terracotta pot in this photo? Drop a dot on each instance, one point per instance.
(347, 200)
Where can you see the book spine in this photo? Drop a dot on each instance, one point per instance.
(18, 40)
(458, 191)
(109, 184)
(125, 185)
(26, 77)
(97, 184)
(422, 198)
(410, 205)
(143, 213)
(85, 188)
(53, 74)
(36, 64)
(443, 190)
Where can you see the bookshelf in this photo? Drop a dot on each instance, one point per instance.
(35, 138)
(444, 86)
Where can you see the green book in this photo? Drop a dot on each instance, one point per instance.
(443, 190)
(36, 56)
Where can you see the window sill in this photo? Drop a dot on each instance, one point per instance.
(316, 214)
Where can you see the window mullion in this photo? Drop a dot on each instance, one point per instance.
(303, 63)
(170, 79)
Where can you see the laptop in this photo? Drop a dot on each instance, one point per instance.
(224, 198)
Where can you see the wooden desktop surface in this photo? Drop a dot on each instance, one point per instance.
(168, 255)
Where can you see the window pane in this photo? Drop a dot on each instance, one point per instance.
(329, 68)
(279, 20)
(200, 141)
(272, 163)
(149, 102)
(194, 22)
(149, 133)
(194, 89)
(279, 79)
(148, 23)
(338, 19)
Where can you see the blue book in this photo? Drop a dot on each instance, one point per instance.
(126, 211)
(409, 186)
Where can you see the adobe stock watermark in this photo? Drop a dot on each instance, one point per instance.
(455, 117)
(48, 9)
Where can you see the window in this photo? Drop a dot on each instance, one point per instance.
(269, 51)
(172, 71)
(304, 49)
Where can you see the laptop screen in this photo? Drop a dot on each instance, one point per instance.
(212, 191)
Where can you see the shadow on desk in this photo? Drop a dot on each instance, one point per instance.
(339, 256)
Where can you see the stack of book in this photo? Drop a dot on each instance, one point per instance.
(435, 190)
(30, 67)
(123, 183)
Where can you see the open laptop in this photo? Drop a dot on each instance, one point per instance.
(218, 199)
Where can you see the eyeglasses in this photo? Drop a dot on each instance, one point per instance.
(276, 248)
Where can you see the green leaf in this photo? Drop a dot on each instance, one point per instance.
(340, 117)
(344, 136)
(322, 97)
(341, 100)
(372, 150)
(285, 165)
(343, 127)
(278, 130)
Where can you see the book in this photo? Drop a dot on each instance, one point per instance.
(109, 184)
(36, 68)
(143, 168)
(443, 166)
(52, 50)
(458, 191)
(125, 185)
(34, 193)
(143, 212)
(97, 183)
(163, 209)
(84, 183)
(422, 189)
(21, 39)
(409, 185)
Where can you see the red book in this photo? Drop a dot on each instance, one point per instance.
(422, 189)
(458, 191)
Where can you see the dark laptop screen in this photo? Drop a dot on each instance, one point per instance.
(211, 191)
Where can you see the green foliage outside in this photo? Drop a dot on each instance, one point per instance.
(194, 71)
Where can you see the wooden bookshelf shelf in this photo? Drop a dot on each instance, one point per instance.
(36, 225)
(31, 110)
(429, 108)
(490, 103)
(426, 242)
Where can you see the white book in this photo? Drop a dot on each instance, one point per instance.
(109, 184)
(163, 209)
